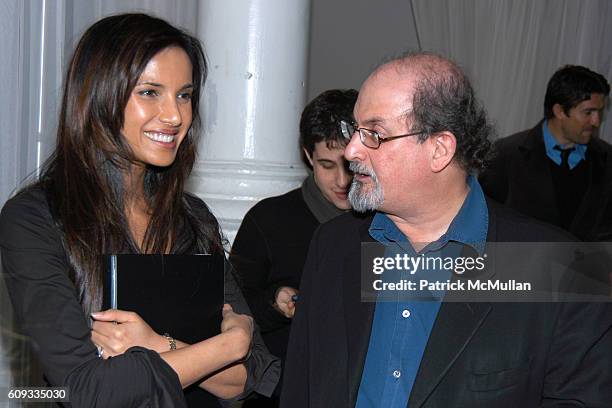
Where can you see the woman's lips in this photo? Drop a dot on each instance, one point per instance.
(164, 139)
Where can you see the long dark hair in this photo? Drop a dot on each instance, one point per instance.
(83, 179)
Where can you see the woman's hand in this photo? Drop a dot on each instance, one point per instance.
(240, 327)
(117, 330)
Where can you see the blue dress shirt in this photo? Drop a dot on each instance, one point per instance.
(550, 143)
(401, 328)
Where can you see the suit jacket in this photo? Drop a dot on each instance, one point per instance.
(478, 354)
(520, 177)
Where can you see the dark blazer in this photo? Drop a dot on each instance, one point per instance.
(519, 176)
(478, 355)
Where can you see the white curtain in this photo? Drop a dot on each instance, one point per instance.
(37, 39)
(510, 48)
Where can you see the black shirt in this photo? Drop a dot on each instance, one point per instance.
(35, 266)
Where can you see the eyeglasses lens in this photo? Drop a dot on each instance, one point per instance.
(369, 138)
(347, 129)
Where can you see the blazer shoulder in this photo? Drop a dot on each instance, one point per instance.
(602, 146)
(508, 225)
(515, 140)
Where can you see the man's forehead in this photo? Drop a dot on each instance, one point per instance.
(332, 152)
(383, 98)
(596, 101)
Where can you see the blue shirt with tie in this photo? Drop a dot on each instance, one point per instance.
(401, 328)
(553, 149)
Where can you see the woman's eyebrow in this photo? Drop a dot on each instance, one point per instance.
(155, 84)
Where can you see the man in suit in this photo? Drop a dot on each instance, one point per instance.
(559, 171)
(419, 135)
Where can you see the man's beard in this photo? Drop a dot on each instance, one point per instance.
(362, 198)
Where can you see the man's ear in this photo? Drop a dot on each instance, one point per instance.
(308, 156)
(558, 111)
(444, 147)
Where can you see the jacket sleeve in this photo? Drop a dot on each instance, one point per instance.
(251, 261)
(296, 376)
(578, 371)
(46, 306)
(263, 369)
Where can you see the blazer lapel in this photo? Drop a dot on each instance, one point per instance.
(455, 326)
(537, 171)
(358, 316)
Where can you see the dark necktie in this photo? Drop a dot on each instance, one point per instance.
(565, 156)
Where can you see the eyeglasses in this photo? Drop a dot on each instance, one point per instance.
(369, 138)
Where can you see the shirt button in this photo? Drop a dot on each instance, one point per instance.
(406, 313)
(397, 374)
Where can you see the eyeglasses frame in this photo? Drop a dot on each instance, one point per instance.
(380, 140)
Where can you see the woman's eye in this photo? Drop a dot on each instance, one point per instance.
(185, 96)
(147, 92)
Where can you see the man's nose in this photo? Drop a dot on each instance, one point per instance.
(355, 150)
(596, 119)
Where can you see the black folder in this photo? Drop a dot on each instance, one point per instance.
(177, 294)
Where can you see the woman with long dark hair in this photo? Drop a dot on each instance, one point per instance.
(126, 143)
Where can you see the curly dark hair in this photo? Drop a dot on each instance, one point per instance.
(444, 100)
(321, 118)
(570, 85)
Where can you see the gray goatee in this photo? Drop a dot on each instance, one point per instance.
(364, 198)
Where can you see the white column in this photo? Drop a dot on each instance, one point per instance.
(253, 98)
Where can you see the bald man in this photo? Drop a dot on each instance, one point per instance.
(418, 137)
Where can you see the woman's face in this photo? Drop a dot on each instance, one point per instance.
(158, 113)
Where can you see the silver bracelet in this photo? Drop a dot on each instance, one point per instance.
(171, 341)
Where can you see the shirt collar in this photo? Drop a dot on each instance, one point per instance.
(469, 226)
(550, 142)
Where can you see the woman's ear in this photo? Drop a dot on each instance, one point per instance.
(444, 147)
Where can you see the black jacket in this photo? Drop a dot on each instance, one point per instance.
(36, 270)
(520, 177)
(479, 354)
